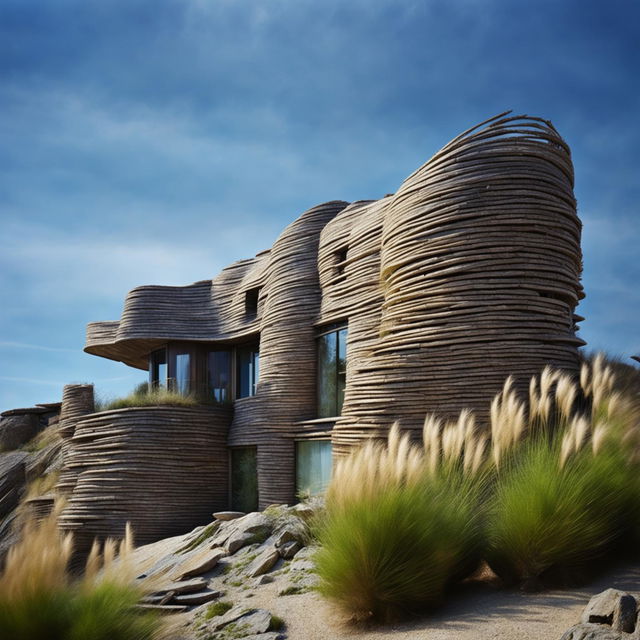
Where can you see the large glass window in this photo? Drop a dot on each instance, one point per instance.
(219, 375)
(182, 372)
(313, 466)
(332, 369)
(158, 368)
(248, 364)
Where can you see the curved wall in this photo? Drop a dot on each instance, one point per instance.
(163, 469)
(479, 275)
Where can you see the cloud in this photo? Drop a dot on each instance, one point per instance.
(38, 347)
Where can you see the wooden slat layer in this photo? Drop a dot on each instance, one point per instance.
(468, 274)
(163, 469)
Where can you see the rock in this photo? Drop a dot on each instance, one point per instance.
(227, 618)
(263, 563)
(254, 527)
(16, 430)
(263, 579)
(169, 608)
(624, 615)
(12, 480)
(239, 540)
(228, 515)
(186, 586)
(590, 631)
(601, 607)
(290, 533)
(289, 549)
(201, 597)
(197, 563)
(271, 635)
(254, 622)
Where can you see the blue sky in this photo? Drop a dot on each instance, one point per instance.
(157, 141)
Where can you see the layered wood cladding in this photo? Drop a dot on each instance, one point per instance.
(469, 273)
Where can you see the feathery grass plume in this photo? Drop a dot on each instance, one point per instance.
(399, 528)
(508, 421)
(39, 598)
(565, 494)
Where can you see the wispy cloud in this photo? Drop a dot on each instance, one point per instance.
(36, 347)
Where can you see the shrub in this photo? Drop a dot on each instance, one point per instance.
(397, 533)
(40, 599)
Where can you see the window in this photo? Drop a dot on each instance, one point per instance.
(219, 376)
(339, 259)
(313, 466)
(158, 368)
(248, 366)
(182, 373)
(251, 302)
(332, 367)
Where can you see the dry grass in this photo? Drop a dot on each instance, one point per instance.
(39, 598)
(555, 486)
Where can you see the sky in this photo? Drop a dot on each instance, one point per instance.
(156, 141)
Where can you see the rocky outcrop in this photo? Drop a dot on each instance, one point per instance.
(213, 572)
(19, 426)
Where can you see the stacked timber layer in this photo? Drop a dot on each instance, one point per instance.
(468, 274)
(286, 390)
(163, 469)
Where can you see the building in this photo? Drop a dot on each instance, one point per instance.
(361, 314)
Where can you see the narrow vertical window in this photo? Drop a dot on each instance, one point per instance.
(183, 373)
(219, 376)
(332, 368)
(248, 366)
(158, 368)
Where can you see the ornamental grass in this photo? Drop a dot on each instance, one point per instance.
(401, 524)
(551, 491)
(39, 598)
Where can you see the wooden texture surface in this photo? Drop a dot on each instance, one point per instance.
(163, 469)
(469, 273)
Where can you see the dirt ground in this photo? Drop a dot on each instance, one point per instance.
(479, 611)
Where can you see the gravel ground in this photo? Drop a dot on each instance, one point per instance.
(479, 611)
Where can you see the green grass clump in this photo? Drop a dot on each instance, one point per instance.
(40, 599)
(548, 522)
(276, 623)
(142, 396)
(217, 609)
(396, 535)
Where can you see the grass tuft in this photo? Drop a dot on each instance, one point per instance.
(40, 599)
(217, 609)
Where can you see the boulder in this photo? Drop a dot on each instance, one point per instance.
(16, 430)
(254, 527)
(601, 607)
(289, 549)
(263, 563)
(12, 480)
(624, 615)
(253, 622)
(197, 562)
